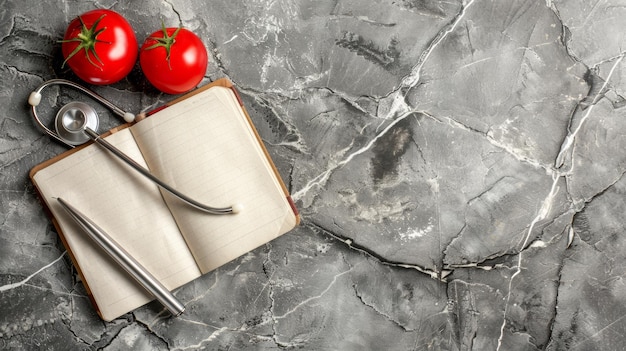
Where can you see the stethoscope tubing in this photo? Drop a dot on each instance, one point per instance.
(35, 99)
(79, 87)
(139, 168)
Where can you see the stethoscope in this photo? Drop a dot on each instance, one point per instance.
(76, 123)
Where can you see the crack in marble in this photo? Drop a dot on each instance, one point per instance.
(546, 204)
(18, 71)
(439, 275)
(270, 101)
(488, 189)
(412, 79)
(478, 265)
(321, 179)
(566, 38)
(68, 323)
(543, 213)
(11, 31)
(270, 309)
(472, 310)
(180, 21)
(243, 328)
(270, 281)
(276, 341)
(122, 323)
(116, 334)
(23, 282)
(398, 105)
(558, 283)
(274, 336)
(152, 332)
(313, 298)
(373, 308)
(580, 205)
(488, 136)
(275, 319)
(569, 139)
(351, 100)
(524, 243)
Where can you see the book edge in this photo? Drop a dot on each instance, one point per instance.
(266, 153)
(31, 174)
(70, 253)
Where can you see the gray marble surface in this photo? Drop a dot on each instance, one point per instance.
(459, 167)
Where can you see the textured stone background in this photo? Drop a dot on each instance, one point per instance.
(459, 167)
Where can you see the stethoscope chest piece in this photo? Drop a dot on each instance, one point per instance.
(71, 121)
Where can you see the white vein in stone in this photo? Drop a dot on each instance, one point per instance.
(323, 177)
(20, 283)
(210, 338)
(569, 140)
(413, 78)
(543, 213)
(398, 104)
(231, 39)
(312, 298)
(547, 203)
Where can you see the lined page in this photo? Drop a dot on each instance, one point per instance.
(130, 209)
(205, 147)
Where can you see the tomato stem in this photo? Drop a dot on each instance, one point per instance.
(166, 42)
(87, 39)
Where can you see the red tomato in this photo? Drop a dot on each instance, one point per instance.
(100, 47)
(174, 60)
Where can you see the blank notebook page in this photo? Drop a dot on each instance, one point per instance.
(130, 209)
(205, 147)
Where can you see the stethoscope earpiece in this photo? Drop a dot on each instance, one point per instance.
(34, 99)
(77, 122)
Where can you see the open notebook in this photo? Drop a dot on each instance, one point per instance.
(205, 146)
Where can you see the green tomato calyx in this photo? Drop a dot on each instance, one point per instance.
(87, 39)
(166, 42)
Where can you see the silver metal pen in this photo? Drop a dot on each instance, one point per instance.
(124, 259)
